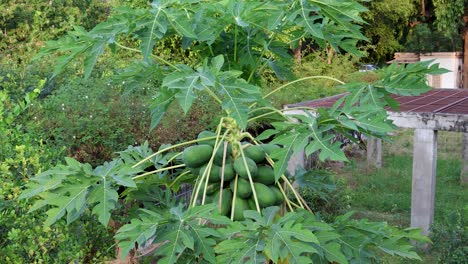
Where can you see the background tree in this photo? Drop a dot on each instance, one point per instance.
(387, 25)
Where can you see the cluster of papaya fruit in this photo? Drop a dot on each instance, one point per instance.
(226, 166)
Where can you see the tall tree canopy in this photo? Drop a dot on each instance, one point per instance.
(388, 23)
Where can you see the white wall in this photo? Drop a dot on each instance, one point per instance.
(451, 61)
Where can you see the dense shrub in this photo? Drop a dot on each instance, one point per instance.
(451, 237)
(92, 119)
(22, 237)
(314, 64)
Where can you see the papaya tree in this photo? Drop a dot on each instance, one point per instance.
(243, 206)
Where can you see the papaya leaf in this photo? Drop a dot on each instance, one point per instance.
(70, 199)
(235, 94)
(185, 83)
(290, 241)
(333, 253)
(375, 122)
(282, 156)
(269, 236)
(105, 198)
(46, 181)
(184, 233)
(138, 231)
(159, 106)
(139, 75)
(241, 250)
(154, 29)
(410, 79)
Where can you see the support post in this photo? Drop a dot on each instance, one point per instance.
(424, 179)
(464, 172)
(374, 152)
(296, 160)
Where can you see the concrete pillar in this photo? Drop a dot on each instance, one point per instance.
(424, 179)
(464, 172)
(374, 152)
(296, 160)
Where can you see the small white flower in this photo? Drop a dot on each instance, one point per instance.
(86, 97)
(63, 105)
(74, 137)
(90, 116)
(123, 82)
(63, 109)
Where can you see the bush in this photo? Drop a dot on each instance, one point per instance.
(90, 119)
(22, 238)
(314, 64)
(325, 195)
(451, 237)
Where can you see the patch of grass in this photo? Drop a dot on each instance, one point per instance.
(385, 194)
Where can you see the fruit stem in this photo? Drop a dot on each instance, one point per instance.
(233, 203)
(250, 178)
(288, 202)
(158, 170)
(178, 177)
(172, 147)
(174, 157)
(223, 166)
(279, 111)
(210, 164)
(293, 190)
(300, 80)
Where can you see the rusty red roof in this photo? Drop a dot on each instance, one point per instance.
(446, 101)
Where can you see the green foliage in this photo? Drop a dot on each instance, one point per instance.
(91, 119)
(242, 41)
(22, 237)
(387, 22)
(153, 25)
(362, 110)
(26, 24)
(451, 237)
(449, 20)
(425, 38)
(95, 188)
(313, 64)
(263, 237)
(179, 231)
(360, 236)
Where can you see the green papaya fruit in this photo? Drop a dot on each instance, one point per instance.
(243, 188)
(265, 196)
(196, 156)
(278, 195)
(241, 170)
(206, 134)
(226, 202)
(255, 152)
(265, 175)
(218, 158)
(228, 172)
(240, 206)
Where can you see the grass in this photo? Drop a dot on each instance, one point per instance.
(385, 194)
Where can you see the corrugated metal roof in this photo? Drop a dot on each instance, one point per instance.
(447, 101)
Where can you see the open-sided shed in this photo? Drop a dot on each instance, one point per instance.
(435, 110)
